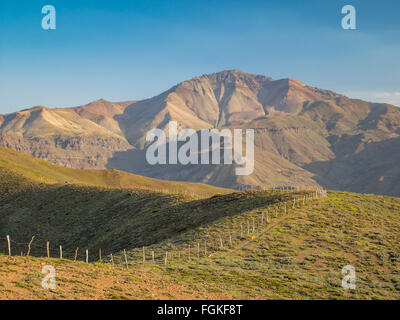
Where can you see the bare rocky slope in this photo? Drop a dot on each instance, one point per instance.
(303, 135)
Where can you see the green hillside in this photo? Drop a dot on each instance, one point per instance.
(42, 171)
(299, 255)
(238, 245)
(88, 208)
(112, 219)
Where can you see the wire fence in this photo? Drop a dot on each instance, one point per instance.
(203, 244)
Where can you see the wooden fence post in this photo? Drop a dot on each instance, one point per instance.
(152, 256)
(205, 247)
(76, 254)
(112, 259)
(100, 260)
(29, 246)
(87, 256)
(126, 259)
(9, 245)
(198, 250)
(60, 252)
(253, 226)
(166, 258)
(48, 249)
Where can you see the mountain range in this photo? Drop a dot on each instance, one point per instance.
(304, 136)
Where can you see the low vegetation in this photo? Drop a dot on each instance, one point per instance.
(295, 253)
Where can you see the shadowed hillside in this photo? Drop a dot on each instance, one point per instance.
(298, 255)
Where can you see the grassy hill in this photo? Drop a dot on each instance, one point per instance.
(88, 208)
(20, 278)
(228, 245)
(299, 255)
(45, 172)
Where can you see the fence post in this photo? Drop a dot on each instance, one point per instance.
(189, 251)
(100, 260)
(166, 258)
(126, 259)
(152, 256)
(230, 238)
(29, 246)
(112, 259)
(198, 250)
(220, 241)
(76, 253)
(60, 252)
(253, 226)
(9, 245)
(48, 249)
(205, 247)
(87, 256)
(144, 257)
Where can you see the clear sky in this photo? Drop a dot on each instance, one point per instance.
(128, 50)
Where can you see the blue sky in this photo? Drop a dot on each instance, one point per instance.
(123, 50)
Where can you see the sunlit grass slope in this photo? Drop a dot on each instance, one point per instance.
(42, 171)
(295, 256)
